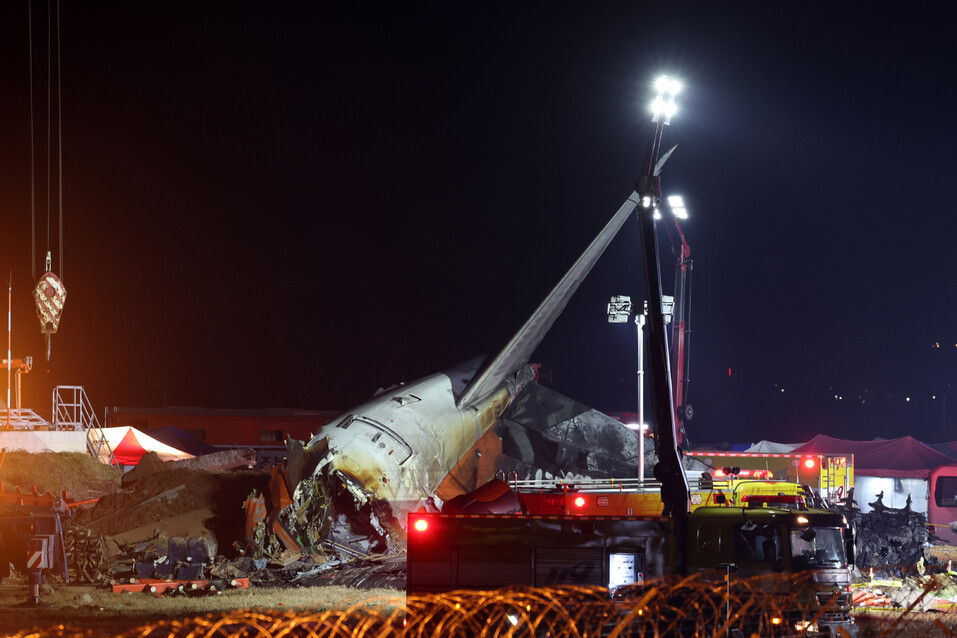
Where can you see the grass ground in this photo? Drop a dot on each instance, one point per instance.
(100, 611)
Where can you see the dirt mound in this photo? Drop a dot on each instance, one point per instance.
(168, 503)
(81, 475)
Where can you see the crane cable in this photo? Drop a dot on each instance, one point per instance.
(49, 118)
(49, 137)
(59, 136)
(33, 204)
(49, 293)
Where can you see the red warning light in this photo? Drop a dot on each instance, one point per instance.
(579, 501)
(809, 464)
(421, 524)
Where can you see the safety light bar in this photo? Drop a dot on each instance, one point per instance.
(735, 472)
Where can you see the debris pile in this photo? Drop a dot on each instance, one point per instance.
(155, 501)
(888, 539)
(543, 431)
(319, 521)
(920, 593)
(202, 522)
(176, 558)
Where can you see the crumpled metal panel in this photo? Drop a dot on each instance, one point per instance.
(545, 430)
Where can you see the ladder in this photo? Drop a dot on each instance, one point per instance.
(72, 411)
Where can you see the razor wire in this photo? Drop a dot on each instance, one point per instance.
(693, 606)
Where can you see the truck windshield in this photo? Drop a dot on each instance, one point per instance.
(817, 547)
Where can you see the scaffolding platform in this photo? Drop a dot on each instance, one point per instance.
(23, 419)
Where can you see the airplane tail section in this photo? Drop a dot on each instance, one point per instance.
(523, 344)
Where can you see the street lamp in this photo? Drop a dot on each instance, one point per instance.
(619, 309)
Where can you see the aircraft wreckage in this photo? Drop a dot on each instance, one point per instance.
(353, 485)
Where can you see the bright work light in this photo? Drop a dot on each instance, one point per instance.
(677, 204)
(664, 103)
(664, 84)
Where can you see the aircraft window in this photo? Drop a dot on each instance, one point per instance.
(346, 422)
(401, 449)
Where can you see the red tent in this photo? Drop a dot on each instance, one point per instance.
(905, 457)
(129, 445)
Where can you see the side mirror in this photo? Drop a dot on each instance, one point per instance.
(808, 535)
(849, 544)
(720, 499)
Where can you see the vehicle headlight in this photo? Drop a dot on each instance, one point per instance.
(805, 626)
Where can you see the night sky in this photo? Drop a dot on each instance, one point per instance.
(291, 205)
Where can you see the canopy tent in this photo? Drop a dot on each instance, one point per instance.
(129, 445)
(770, 447)
(905, 457)
(949, 448)
(173, 436)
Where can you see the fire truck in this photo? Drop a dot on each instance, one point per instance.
(618, 535)
(830, 476)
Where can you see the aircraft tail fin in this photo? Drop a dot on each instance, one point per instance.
(517, 352)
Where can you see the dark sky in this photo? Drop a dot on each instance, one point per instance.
(293, 204)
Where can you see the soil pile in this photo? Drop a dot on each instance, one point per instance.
(81, 475)
(158, 502)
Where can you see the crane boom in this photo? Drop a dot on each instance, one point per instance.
(675, 494)
(680, 327)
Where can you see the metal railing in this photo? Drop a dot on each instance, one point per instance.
(22, 419)
(72, 410)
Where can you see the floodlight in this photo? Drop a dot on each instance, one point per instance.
(658, 106)
(668, 85)
(657, 214)
(646, 202)
(664, 103)
(680, 213)
(619, 308)
(676, 201)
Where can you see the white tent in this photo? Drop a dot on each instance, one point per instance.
(129, 445)
(770, 447)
